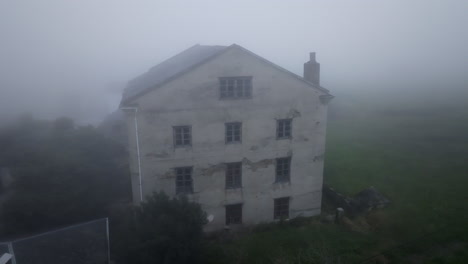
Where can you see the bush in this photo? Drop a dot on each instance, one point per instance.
(167, 231)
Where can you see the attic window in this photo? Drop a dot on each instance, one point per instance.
(235, 87)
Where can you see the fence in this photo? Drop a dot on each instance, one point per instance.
(78, 244)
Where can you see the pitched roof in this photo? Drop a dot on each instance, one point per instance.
(184, 62)
(169, 69)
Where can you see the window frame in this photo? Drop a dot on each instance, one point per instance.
(175, 132)
(281, 208)
(282, 177)
(230, 209)
(246, 88)
(281, 128)
(233, 180)
(184, 189)
(232, 134)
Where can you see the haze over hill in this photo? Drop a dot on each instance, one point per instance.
(73, 58)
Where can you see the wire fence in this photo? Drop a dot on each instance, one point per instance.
(82, 243)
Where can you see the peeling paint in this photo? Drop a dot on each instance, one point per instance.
(163, 154)
(293, 113)
(258, 164)
(213, 169)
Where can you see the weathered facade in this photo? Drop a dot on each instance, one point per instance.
(239, 135)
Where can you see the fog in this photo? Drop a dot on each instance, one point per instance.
(73, 58)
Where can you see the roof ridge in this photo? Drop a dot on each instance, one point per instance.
(185, 61)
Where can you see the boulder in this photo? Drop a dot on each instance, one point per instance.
(369, 199)
(366, 200)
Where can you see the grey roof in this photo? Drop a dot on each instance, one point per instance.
(184, 62)
(169, 69)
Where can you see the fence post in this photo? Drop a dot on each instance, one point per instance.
(108, 240)
(12, 252)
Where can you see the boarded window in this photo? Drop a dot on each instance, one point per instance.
(235, 87)
(184, 183)
(233, 175)
(283, 128)
(182, 136)
(281, 210)
(283, 168)
(233, 132)
(233, 214)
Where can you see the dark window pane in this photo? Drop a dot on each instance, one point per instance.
(182, 136)
(235, 87)
(233, 175)
(283, 169)
(233, 132)
(234, 214)
(283, 129)
(281, 208)
(184, 180)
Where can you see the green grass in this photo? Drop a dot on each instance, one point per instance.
(414, 154)
(291, 243)
(415, 151)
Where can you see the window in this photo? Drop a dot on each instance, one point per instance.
(233, 214)
(281, 210)
(233, 132)
(182, 136)
(233, 175)
(283, 128)
(184, 180)
(283, 166)
(235, 87)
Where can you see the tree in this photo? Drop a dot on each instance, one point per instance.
(62, 175)
(167, 231)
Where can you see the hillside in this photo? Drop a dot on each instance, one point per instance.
(411, 146)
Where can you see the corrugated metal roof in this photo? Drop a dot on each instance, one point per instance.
(170, 68)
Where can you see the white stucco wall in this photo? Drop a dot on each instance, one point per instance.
(193, 99)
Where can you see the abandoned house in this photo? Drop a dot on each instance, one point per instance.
(234, 132)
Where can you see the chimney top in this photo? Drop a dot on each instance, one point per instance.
(312, 70)
(312, 57)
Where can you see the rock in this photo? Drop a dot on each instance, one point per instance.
(366, 200)
(369, 199)
(338, 199)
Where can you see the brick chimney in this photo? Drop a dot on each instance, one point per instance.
(312, 70)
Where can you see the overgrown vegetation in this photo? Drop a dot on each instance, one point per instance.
(163, 230)
(62, 175)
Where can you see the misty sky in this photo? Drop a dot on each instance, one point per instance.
(73, 57)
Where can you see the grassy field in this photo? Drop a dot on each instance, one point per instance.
(411, 147)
